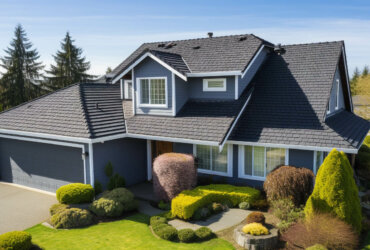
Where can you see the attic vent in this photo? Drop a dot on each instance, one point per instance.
(242, 38)
(161, 45)
(196, 47)
(279, 50)
(170, 45)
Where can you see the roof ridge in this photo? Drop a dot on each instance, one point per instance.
(298, 44)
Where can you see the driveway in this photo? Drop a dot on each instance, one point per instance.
(21, 208)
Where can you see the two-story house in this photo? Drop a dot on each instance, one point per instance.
(240, 104)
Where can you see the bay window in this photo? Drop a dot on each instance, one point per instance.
(211, 161)
(152, 91)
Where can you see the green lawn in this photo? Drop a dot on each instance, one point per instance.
(130, 233)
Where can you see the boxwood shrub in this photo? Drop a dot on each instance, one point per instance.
(75, 193)
(187, 202)
(165, 231)
(57, 208)
(106, 208)
(186, 235)
(72, 218)
(16, 240)
(204, 233)
(156, 220)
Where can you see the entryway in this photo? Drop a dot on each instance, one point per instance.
(156, 148)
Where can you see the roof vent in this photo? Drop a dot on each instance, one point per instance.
(210, 34)
(279, 50)
(161, 45)
(169, 45)
(242, 38)
(196, 47)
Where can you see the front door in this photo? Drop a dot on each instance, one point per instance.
(162, 147)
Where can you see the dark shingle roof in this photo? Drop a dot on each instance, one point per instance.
(174, 60)
(289, 102)
(208, 120)
(70, 112)
(225, 53)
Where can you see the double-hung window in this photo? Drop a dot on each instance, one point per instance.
(211, 161)
(214, 85)
(152, 91)
(256, 162)
(128, 89)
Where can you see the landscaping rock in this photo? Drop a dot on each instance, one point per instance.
(262, 242)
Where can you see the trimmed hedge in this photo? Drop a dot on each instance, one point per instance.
(75, 193)
(165, 231)
(106, 208)
(204, 233)
(16, 240)
(336, 191)
(187, 202)
(255, 229)
(156, 220)
(72, 218)
(186, 235)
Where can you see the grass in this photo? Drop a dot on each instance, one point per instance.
(130, 233)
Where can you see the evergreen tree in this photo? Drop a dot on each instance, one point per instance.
(353, 82)
(20, 82)
(70, 66)
(365, 71)
(109, 70)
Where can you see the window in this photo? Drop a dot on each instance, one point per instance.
(128, 89)
(211, 161)
(152, 91)
(337, 97)
(256, 162)
(319, 157)
(218, 84)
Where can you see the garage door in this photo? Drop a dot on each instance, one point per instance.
(39, 165)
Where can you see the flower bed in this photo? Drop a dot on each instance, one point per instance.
(187, 202)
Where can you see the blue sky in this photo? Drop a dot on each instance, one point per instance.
(108, 31)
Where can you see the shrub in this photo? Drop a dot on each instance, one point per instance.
(201, 213)
(165, 231)
(106, 208)
(122, 195)
(289, 182)
(363, 156)
(156, 220)
(187, 202)
(116, 181)
(317, 247)
(324, 229)
(244, 205)
(204, 233)
(261, 204)
(16, 240)
(216, 207)
(255, 229)
(186, 235)
(75, 193)
(173, 173)
(336, 191)
(227, 203)
(164, 205)
(72, 218)
(287, 212)
(108, 170)
(257, 217)
(57, 208)
(98, 187)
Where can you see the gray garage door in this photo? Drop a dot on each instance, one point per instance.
(39, 165)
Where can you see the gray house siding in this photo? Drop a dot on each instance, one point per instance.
(150, 68)
(243, 82)
(128, 157)
(333, 94)
(196, 89)
(39, 165)
(301, 158)
(182, 93)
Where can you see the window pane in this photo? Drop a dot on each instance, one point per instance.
(259, 161)
(215, 83)
(144, 85)
(204, 157)
(129, 90)
(318, 160)
(248, 150)
(274, 158)
(157, 91)
(219, 160)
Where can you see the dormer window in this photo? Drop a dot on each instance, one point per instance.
(214, 85)
(152, 91)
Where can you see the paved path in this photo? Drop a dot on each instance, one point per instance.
(21, 208)
(216, 222)
(146, 208)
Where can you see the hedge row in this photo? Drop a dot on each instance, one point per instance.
(187, 202)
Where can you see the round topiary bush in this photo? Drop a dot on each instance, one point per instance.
(57, 208)
(257, 217)
(165, 231)
(156, 220)
(204, 233)
(123, 196)
(244, 205)
(255, 229)
(336, 191)
(17, 240)
(186, 235)
(72, 218)
(173, 173)
(289, 182)
(106, 208)
(75, 193)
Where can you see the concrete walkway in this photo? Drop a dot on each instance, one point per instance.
(146, 208)
(216, 222)
(21, 208)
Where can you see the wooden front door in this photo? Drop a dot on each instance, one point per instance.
(162, 147)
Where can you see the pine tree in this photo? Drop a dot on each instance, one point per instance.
(109, 70)
(365, 71)
(20, 82)
(70, 66)
(355, 76)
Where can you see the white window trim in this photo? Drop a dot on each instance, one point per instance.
(337, 97)
(229, 172)
(121, 88)
(236, 87)
(207, 89)
(315, 167)
(125, 93)
(142, 105)
(241, 173)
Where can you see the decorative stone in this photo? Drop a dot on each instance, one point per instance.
(252, 242)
